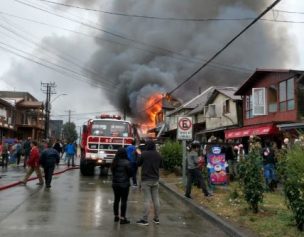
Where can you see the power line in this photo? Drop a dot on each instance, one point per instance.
(64, 58)
(48, 66)
(168, 51)
(289, 12)
(149, 17)
(225, 46)
(218, 52)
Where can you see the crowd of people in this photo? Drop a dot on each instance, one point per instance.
(34, 156)
(235, 152)
(16, 152)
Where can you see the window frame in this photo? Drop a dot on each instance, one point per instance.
(286, 99)
(248, 107)
(226, 106)
(259, 92)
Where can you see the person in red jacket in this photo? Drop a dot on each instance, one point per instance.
(33, 164)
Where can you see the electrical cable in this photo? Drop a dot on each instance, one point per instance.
(48, 66)
(218, 52)
(225, 46)
(149, 17)
(181, 58)
(168, 51)
(65, 59)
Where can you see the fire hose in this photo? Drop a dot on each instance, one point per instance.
(16, 183)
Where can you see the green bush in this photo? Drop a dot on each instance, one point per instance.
(172, 154)
(251, 178)
(294, 183)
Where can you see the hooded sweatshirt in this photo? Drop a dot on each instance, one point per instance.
(150, 161)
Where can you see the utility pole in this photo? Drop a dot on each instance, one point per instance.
(69, 112)
(48, 89)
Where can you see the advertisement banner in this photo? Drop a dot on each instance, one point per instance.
(217, 166)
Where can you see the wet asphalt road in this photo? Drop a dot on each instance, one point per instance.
(82, 206)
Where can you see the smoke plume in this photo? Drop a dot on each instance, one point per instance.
(138, 70)
(153, 56)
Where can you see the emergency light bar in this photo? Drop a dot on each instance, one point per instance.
(107, 116)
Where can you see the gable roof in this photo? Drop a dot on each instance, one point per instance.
(194, 102)
(258, 74)
(226, 91)
(30, 104)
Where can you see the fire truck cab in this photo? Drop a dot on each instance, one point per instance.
(100, 140)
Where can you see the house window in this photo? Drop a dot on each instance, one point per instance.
(272, 93)
(259, 101)
(248, 107)
(226, 107)
(287, 101)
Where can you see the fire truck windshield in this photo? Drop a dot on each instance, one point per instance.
(111, 128)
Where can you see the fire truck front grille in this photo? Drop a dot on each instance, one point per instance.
(105, 146)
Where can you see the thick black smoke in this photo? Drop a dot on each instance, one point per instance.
(138, 70)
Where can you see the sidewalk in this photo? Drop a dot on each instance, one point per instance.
(173, 185)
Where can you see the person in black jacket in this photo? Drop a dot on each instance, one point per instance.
(49, 158)
(121, 173)
(150, 161)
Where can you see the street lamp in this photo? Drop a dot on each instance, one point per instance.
(57, 97)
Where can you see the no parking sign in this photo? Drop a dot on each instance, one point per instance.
(184, 128)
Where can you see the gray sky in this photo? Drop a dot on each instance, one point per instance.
(86, 97)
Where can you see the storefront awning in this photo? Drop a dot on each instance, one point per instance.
(252, 130)
(289, 126)
(210, 131)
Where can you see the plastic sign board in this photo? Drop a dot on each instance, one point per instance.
(217, 166)
(184, 128)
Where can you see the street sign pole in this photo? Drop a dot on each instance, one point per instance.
(184, 133)
(184, 161)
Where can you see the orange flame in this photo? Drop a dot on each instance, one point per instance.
(152, 107)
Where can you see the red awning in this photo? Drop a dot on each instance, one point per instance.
(252, 130)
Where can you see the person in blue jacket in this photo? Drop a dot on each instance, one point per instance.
(131, 151)
(70, 153)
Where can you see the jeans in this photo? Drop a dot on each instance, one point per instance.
(48, 173)
(192, 175)
(70, 157)
(120, 194)
(134, 172)
(269, 173)
(150, 189)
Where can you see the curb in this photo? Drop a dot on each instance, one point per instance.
(7, 186)
(212, 217)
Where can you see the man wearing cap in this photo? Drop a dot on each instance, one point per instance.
(193, 171)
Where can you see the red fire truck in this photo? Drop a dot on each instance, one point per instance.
(100, 140)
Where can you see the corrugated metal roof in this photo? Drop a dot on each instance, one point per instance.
(195, 102)
(13, 101)
(229, 92)
(30, 104)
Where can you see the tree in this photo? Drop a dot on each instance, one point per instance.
(251, 176)
(293, 180)
(69, 132)
(172, 154)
